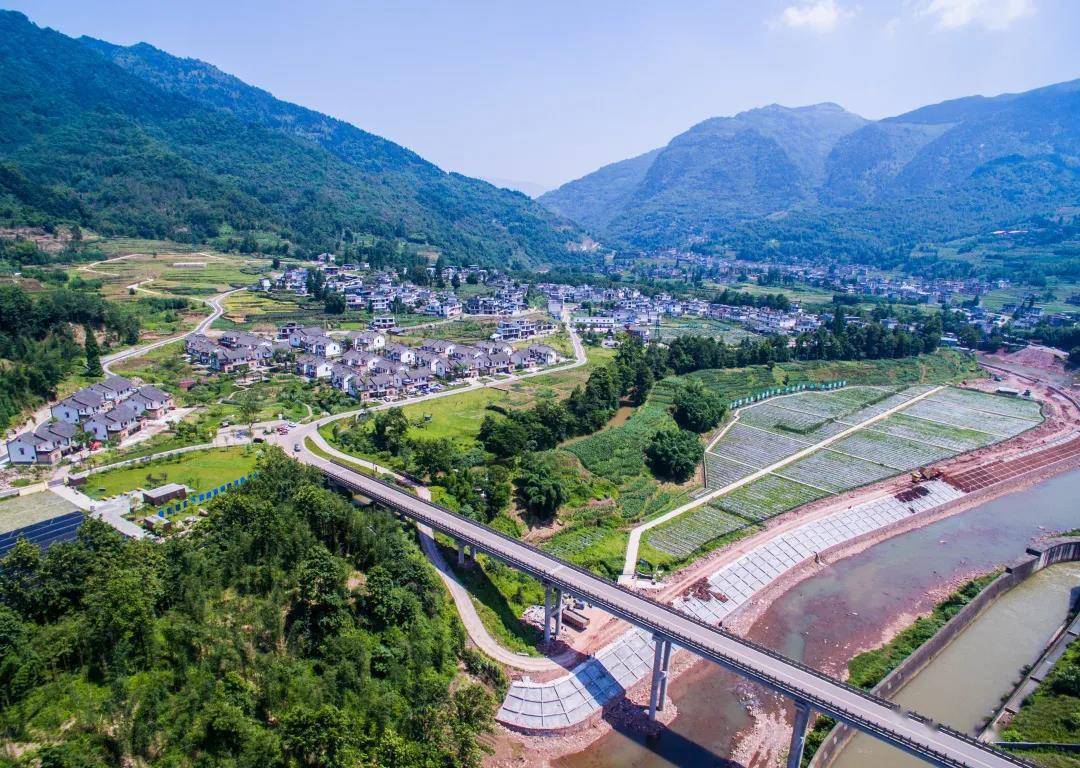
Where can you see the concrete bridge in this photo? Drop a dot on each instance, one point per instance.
(809, 689)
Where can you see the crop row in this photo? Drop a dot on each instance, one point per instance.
(880, 407)
(720, 471)
(1001, 405)
(770, 416)
(576, 540)
(956, 439)
(767, 497)
(896, 452)
(835, 472)
(958, 416)
(757, 447)
(692, 530)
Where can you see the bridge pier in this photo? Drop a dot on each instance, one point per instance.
(798, 734)
(661, 658)
(547, 613)
(558, 613)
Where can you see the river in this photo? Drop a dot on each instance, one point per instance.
(963, 685)
(830, 616)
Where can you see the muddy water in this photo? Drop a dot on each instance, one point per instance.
(963, 685)
(832, 615)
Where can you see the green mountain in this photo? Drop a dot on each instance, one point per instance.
(821, 180)
(137, 142)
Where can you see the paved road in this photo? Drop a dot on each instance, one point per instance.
(478, 633)
(872, 715)
(629, 573)
(216, 311)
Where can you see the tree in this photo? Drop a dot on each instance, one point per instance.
(248, 404)
(434, 456)
(697, 409)
(674, 454)
(541, 486)
(319, 738)
(334, 303)
(391, 426)
(504, 437)
(93, 353)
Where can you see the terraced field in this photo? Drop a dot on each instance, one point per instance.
(899, 453)
(720, 471)
(835, 472)
(969, 418)
(946, 423)
(757, 447)
(953, 438)
(690, 532)
(1028, 410)
(767, 497)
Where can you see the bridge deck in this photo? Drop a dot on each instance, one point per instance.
(875, 716)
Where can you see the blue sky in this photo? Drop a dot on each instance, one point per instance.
(546, 92)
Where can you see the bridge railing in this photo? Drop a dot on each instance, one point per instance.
(975, 742)
(853, 718)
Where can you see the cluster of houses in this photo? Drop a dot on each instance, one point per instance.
(638, 315)
(381, 292)
(107, 411)
(366, 364)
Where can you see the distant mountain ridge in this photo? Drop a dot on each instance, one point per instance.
(790, 178)
(148, 144)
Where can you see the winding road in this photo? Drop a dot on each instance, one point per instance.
(44, 413)
(474, 626)
(216, 311)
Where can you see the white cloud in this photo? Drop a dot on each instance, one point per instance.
(818, 16)
(990, 14)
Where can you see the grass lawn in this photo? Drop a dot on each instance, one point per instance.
(199, 470)
(460, 416)
(1050, 714)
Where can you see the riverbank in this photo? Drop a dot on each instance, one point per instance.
(773, 732)
(1061, 423)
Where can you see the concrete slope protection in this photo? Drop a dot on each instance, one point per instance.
(807, 687)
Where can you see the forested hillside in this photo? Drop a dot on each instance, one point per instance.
(818, 181)
(291, 628)
(176, 149)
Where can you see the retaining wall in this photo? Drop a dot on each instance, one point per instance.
(1033, 560)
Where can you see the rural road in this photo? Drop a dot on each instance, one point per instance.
(41, 415)
(216, 311)
(478, 633)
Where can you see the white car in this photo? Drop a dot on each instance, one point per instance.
(296, 447)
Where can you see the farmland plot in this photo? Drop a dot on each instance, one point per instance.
(574, 541)
(757, 447)
(954, 438)
(958, 416)
(1001, 405)
(720, 471)
(776, 417)
(836, 403)
(881, 406)
(897, 452)
(835, 472)
(691, 531)
(767, 497)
